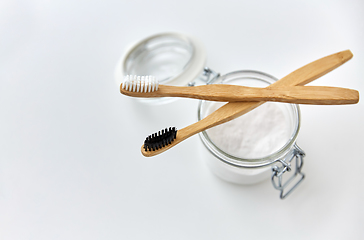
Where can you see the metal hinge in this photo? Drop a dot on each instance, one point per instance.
(208, 76)
(285, 166)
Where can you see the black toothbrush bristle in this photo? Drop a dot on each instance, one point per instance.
(160, 139)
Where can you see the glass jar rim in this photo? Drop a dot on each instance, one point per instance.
(251, 162)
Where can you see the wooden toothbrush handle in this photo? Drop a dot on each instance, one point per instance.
(291, 94)
(310, 95)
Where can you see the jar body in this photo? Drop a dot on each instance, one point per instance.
(248, 163)
(235, 174)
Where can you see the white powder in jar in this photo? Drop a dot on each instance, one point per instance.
(256, 134)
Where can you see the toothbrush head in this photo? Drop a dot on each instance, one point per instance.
(134, 83)
(160, 139)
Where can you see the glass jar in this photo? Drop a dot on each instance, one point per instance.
(262, 148)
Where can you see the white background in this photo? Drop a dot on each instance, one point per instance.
(70, 162)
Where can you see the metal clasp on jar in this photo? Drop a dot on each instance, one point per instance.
(208, 76)
(285, 166)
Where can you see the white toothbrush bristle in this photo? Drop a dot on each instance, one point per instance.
(138, 84)
(125, 82)
(149, 84)
(143, 84)
(153, 84)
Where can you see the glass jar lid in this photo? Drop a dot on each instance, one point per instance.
(173, 58)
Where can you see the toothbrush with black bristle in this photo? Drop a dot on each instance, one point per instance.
(160, 142)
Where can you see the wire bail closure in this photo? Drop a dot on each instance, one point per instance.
(277, 172)
(208, 76)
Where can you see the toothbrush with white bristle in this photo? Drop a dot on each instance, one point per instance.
(148, 87)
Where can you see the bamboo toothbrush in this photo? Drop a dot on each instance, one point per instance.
(162, 141)
(148, 86)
